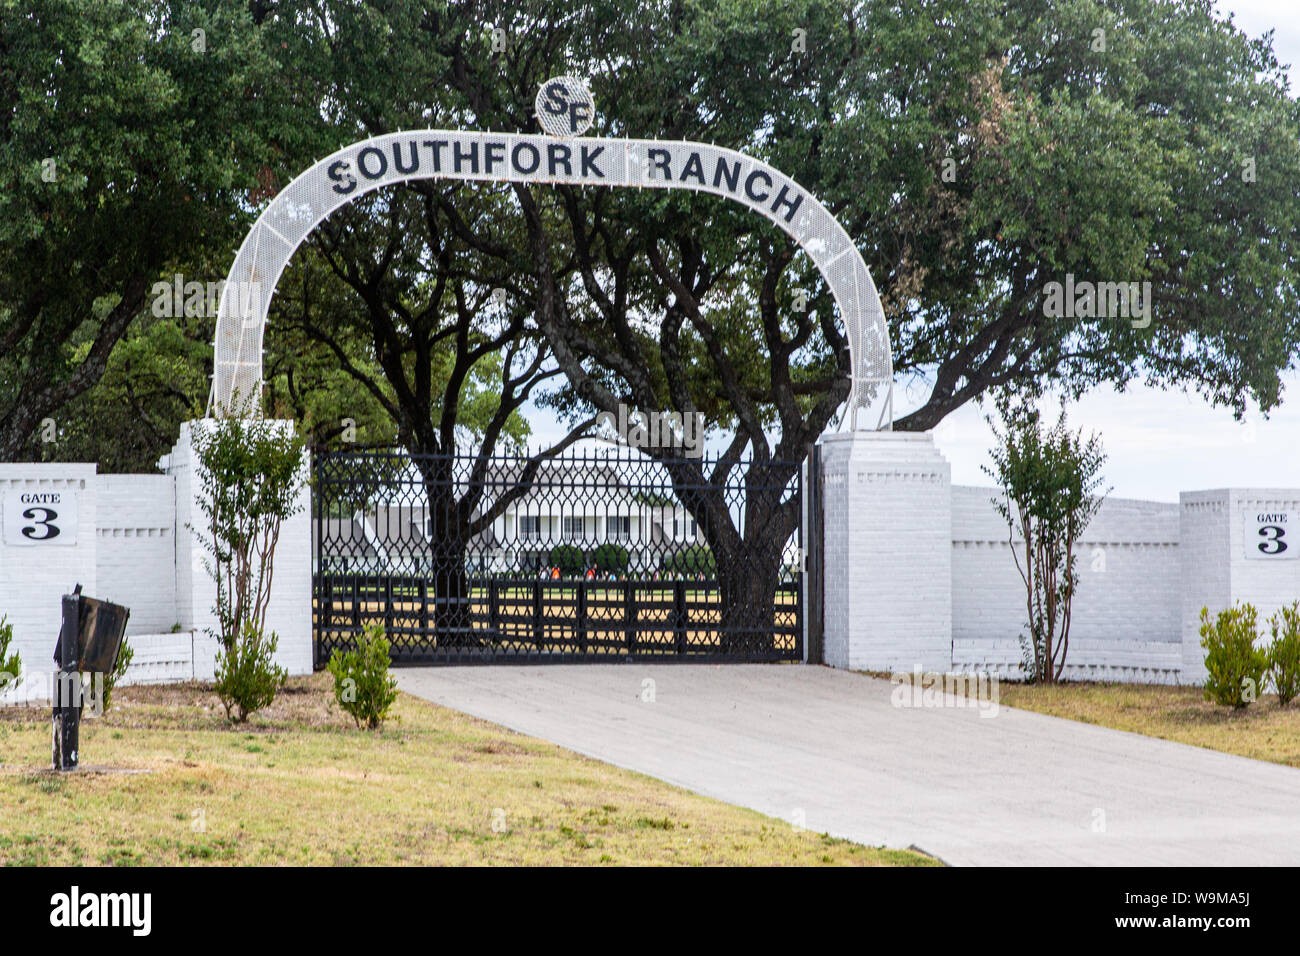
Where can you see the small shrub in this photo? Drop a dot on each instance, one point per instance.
(1284, 653)
(11, 665)
(362, 684)
(247, 678)
(693, 560)
(610, 558)
(124, 658)
(569, 559)
(1236, 666)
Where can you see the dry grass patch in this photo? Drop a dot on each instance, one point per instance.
(1263, 731)
(300, 785)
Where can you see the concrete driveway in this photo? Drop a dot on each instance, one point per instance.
(828, 749)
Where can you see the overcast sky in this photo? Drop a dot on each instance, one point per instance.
(1159, 443)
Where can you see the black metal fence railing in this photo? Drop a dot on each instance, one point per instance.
(585, 557)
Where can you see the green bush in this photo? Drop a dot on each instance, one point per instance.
(692, 560)
(1284, 653)
(249, 476)
(247, 678)
(569, 559)
(124, 657)
(11, 665)
(1236, 666)
(362, 684)
(610, 558)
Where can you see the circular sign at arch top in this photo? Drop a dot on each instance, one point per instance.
(565, 106)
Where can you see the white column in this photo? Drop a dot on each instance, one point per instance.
(888, 545)
(1222, 564)
(290, 608)
(1203, 539)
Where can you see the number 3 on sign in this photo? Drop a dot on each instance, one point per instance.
(1267, 535)
(45, 528)
(40, 518)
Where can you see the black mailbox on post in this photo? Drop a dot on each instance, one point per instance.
(89, 641)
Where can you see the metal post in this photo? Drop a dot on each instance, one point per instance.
(356, 606)
(67, 686)
(539, 621)
(814, 577)
(423, 593)
(679, 615)
(494, 609)
(582, 616)
(629, 615)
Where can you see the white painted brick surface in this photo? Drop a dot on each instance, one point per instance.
(289, 612)
(134, 548)
(135, 556)
(1126, 614)
(1206, 578)
(170, 658)
(34, 578)
(917, 571)
(888, 547)
(1216, 571)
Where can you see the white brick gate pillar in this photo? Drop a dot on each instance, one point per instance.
(289, 611)
(1223, 565)
(887, 507)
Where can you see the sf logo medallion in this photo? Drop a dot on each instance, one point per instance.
(565, 106)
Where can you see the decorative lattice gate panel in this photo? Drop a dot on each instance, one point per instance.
(587, 557)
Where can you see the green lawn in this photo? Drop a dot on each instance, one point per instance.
(300, 785)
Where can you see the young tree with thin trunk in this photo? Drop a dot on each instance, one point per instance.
(1049, 479)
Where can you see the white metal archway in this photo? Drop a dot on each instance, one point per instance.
(507, 157)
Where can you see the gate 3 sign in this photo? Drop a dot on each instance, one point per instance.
(40, 517)
(1271, 534)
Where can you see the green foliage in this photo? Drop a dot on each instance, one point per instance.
(125, 654)
(1284, 653)
(569, 559)
(247, 678)
(691, 561)
(362, 684)
(1236, 666)
(11, 665)
(109, 180)
(1049, 479)
(610, 558)
(250, 474)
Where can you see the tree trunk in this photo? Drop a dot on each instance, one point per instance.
(452, 622)
(453, 601)
(748, 565)
(747, 588)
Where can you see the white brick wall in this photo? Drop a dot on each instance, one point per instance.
(134, 548)
(1126, 615)
(917, 571)
(921, 572)
(33, 578)
(1206, 574)
(135, 557)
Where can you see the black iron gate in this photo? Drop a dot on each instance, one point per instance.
(585, 557)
